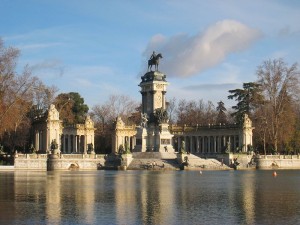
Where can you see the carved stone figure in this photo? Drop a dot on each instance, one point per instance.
(154, 60)
(182, 148)
(161, 116)
(144, 120)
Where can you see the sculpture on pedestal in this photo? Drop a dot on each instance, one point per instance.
(144, 120)
(154, 60)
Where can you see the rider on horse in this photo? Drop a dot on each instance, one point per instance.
(153, 56)
(154, 60)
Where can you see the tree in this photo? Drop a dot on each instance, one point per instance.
(248, 98)
(71, 107)
(171, 107)
(221, 117)
(280, 85)
(79, 108)
(192, 112)
(18, 95)
(104, 116)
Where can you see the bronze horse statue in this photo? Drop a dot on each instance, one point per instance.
(154, 61)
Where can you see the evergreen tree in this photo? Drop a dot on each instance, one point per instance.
(221, 117)
(71, 107)
(248, 98)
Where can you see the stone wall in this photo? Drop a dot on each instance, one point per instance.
(59, 162)
(278, 162)
(31, 162)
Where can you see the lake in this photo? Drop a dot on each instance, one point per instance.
(150, 197)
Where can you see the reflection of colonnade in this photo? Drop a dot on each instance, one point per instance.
(70, 139)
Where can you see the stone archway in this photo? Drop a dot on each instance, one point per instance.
(73, 166)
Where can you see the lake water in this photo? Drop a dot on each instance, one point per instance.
(149, 197)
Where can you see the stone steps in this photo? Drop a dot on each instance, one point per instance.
(195, 162)
(153, 164)
(154, 155)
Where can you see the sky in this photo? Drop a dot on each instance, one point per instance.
(100, 48)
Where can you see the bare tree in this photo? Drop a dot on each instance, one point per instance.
(18, 93)
(171, 107)
(105, 114)
(192, 112)
(280, 85)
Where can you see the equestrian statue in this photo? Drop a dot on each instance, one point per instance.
(154, 60)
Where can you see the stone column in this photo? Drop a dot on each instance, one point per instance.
(215, 144)
(234, 143)
(48, 141)
(144, 101)
(178, 143)
(75, 143)
(198, 144)
(203, 144)
(163, 99)
(153, 100)
(36, 140)
(84, 144)
(219, 144)
(69, 144)
(40, 140)
(79, 144)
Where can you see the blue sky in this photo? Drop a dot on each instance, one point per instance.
(98, 48)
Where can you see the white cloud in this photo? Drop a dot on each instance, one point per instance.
(38, 45)
(189, 55)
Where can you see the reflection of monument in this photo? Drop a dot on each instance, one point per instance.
(153, 134)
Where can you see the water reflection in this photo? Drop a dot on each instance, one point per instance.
(148, 197)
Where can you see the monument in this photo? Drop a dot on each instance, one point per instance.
(153, 134)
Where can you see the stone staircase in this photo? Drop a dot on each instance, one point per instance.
(162, 161)
(154, 164)
(173, 161)
(154, 161)
(194, 162)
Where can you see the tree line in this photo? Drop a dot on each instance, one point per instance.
(272, 103)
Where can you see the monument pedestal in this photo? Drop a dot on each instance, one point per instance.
(141, 140)
(164, 138)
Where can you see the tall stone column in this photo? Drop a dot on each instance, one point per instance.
(85, 144)
(79, 144)
(153, 100)
(37, 139)
(69, 144)
(215, 144)
(197, 144)
(234, 143)
(219, 144)
(75, 144)
(179, 143)
(48, 141)
(144, 101)
(163, 99)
